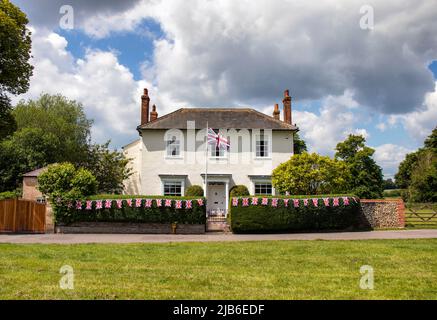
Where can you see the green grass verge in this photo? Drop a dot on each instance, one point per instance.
(404, 269)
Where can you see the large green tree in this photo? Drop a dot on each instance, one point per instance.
(366, 176)
(15, 69)
(108, 166)
(53, 129)
(63, 119)
(299, 145)
(311, 174)
(423, 186)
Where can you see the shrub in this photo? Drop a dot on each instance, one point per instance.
(311, 174)
(267, 218)
(65, 181)
(239, 191)
(120, 210)
(194, 191)
(8, 195)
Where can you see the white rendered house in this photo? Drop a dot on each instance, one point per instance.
(171, 152)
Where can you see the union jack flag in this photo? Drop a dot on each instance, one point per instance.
(217, 139)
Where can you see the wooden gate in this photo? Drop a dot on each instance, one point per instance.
(22, 216)
(421, 215)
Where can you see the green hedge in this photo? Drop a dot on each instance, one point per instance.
(67, 212)
(8, 195)
(267, 218)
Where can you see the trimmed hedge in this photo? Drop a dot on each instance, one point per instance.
(267, 218)
(67, 212)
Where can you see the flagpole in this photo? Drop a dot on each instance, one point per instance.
(206, 162)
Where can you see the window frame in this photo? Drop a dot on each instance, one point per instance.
(173, 181)
(267, 143)
(177, 143)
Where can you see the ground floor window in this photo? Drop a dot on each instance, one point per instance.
(263, 188)
(172, 188)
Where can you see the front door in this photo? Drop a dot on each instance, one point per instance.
(216, 201)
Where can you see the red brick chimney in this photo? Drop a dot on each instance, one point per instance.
(145, 100)
(153, 114)
(276, 112)
(287, 107)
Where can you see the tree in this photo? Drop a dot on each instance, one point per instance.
(423, 185)
(15, 70)
(308, 174)
(299, 145)
(431, 141)
(109, 167)
(25, 150)
(7, 121)
(389, 184)
(367, 179)
(403, 176)
(64, 119)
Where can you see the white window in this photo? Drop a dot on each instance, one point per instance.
(172, 188)
(173, 146)
(262, 146)
(215, 151)
(263, 188)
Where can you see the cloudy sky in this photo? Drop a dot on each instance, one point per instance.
(379, 80)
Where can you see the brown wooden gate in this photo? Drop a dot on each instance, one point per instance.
(17, 215)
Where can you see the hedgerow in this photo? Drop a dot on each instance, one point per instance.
(284, 214)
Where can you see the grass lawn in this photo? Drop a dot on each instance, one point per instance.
(404, 269)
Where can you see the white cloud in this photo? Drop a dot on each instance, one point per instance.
(336, 119)
(252, 50)
(106, 88)
(419, 124)
(388, 156)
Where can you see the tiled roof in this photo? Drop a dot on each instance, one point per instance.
(218, 118)
(35, 173)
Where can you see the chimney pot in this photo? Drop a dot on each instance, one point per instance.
(145, 100)
(276, 112)
(287, 106)
(153, 114)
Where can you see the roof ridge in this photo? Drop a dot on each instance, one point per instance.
(271, 118)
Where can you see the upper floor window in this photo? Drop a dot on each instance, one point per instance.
(216, 151)
(173, 146)
(262, 146)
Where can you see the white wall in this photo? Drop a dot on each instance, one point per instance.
(152, 161)
(133, 151)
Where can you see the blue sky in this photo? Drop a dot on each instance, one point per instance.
(378, 82)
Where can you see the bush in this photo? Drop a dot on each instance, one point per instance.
(194, 191)
(311, 174)
(267, 218)
(8, 195)
(239, 191)
(121, 211)
(65, 181)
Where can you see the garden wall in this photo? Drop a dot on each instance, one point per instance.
(128, 227)
(383, 213)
